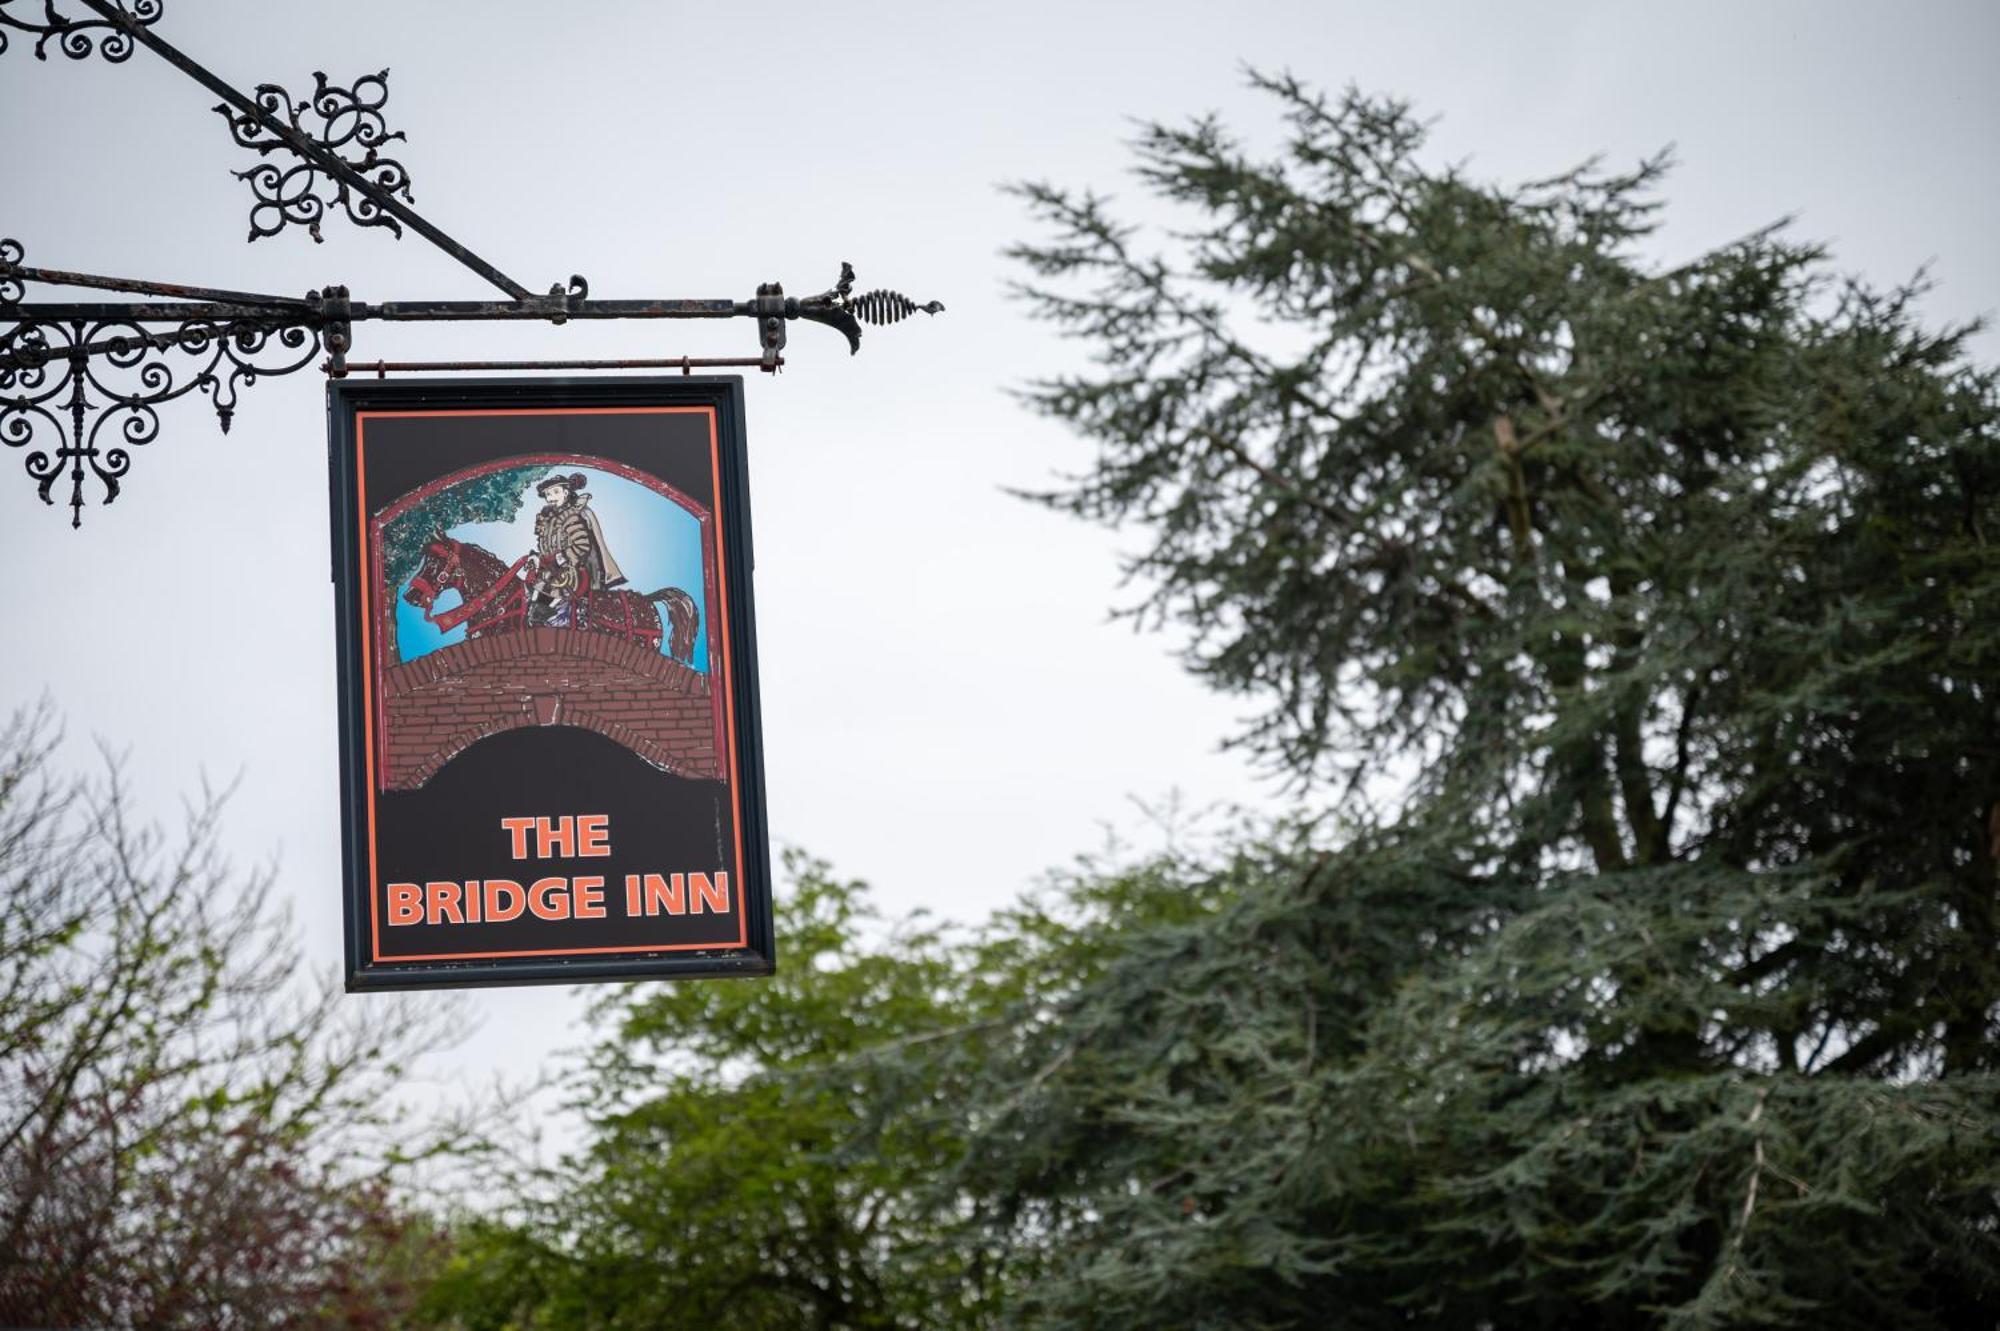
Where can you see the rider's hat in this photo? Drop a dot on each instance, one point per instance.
(574, 480)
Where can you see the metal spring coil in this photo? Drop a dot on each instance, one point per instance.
(888, 307)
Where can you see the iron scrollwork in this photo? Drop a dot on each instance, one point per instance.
(75, 38)
(350, 127)
(80, 395)
(11, 289)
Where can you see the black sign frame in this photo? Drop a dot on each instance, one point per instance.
(357, 568)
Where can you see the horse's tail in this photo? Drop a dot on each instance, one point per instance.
(683, 618)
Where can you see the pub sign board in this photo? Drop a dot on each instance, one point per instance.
(550, 760)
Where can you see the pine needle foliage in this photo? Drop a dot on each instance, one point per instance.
(1663, 991)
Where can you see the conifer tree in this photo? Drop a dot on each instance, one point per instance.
(1642, 624)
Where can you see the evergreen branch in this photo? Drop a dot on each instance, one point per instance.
(1749, 1208)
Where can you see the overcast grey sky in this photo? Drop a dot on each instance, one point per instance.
(947, 711)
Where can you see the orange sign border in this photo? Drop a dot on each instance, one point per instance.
(377, 969)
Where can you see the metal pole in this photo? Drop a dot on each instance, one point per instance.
(305, 147)
(309, 313)
(62, 278)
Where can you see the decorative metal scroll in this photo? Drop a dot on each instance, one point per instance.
(78, 395)
(76, 38)
(350, 127)
(11, 289)
(81, 384)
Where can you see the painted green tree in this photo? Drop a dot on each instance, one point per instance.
(496, 496)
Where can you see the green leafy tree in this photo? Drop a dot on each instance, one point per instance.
(736, 1174)
(1644, 626)
(188, 1137)
(777, 1153)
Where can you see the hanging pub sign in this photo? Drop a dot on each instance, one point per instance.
(550, 757)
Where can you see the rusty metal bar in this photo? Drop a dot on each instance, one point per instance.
(308, 312)
(685, 364)
(326, 161)
(556, 308)
(59, 277)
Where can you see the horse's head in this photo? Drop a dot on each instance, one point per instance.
(440, 570)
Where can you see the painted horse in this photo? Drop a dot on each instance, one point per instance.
(494, 598)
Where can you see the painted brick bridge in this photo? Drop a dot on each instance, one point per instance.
(439, 704)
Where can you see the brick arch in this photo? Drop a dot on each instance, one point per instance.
(440, 704)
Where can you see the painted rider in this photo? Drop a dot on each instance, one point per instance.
(573, 560)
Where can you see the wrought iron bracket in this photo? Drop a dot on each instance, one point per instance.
(81, 382)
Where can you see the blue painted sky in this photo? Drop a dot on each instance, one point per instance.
(656, 542)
